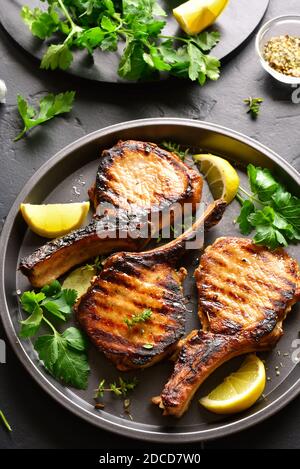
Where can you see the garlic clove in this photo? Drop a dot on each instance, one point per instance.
(3, 91)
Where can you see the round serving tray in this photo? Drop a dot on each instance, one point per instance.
(75, 167)
(235, 25)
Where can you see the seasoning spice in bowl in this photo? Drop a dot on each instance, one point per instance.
(283, 54)
(278, 47)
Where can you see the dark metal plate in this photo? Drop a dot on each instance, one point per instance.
(66, 177)
(236, 24)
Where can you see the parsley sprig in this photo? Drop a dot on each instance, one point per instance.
(63, 355)
(138, 24)
(270, 210)
(50, 106)
(137, 318)
(254, 105)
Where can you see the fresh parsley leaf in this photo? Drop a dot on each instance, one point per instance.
(288, 206)
(110, 43)
(262, 182)
(132, 64)
(269, 236)
(270, 210)
(50, 106)
(155, 60)
(75, 339)
(71, 366)
(90, 39)
(47, 348)
(41, 24)
(30, 299)
(254, 105)
(62, 361)
(57, 56)
(53, 308)
(157, 10)
(30, 326)
(242, 220)
(207, 40)
(52, 289)
(107, 24)
(196, 65)
(91, 24)
(262, 217)
(58, 301)
(63, 355)
(137, 318)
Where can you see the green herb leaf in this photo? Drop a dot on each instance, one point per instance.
(269, 236)
(30, 299)
(59, 302)
(57, 56)
(118, 389)
(90, 39)
(262, 182)
(288, 206)
(107, 24)
(47, 348)
(49, 107)
(132, 64)
(148, 346)
(254, 105)
(176, 148)
(271, 211)
(30, 326)
(52, 289)
(207, 40)
(242, 220)
(63, 362)
(5, 421)
(63, 355)
(75, 339)
(90, 24)
(99, 392)
(137, 318)
(41, 24)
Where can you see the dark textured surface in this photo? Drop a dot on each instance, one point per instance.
(37, 420)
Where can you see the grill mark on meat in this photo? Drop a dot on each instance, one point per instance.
(152, 282)
(164, 180)
(233, 324)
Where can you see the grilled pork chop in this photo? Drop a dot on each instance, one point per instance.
(245, 292)
(133, 179)
(132, 283)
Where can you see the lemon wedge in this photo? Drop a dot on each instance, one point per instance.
(80, 279)
(221, 177)
(53, 220)
(240, 390)
(195, 15)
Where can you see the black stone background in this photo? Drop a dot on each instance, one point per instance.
(37, 420)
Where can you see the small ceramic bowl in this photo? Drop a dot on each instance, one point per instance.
(280, 26)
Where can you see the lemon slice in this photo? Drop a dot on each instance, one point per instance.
(240, 390)
(221, 177)
(80, 279)
(195, 15)
(54, 220)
